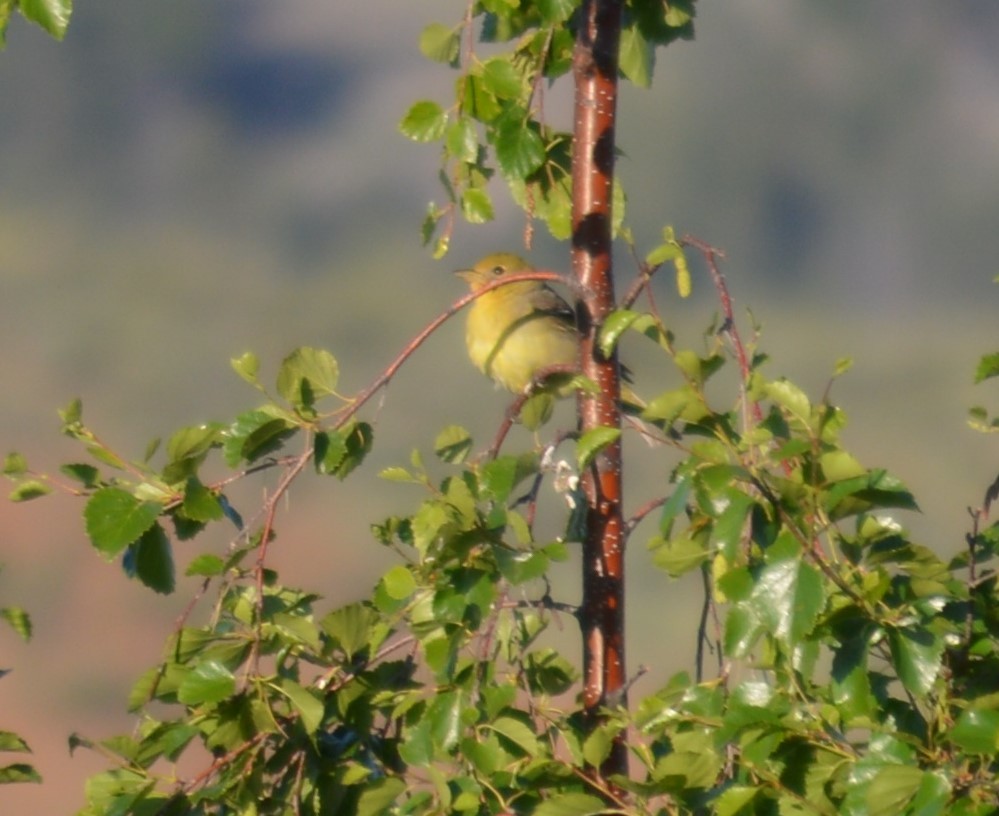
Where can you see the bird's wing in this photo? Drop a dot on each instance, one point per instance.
(549, 302)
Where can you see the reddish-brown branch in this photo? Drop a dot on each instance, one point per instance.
(595, 110)
(385, 377)
(729, 327)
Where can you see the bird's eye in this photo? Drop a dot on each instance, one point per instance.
(498, 270)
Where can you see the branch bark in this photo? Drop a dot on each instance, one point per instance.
(595, 62)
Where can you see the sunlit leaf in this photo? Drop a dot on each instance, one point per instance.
(307, 375)
(592, 442)
(29, 489)
(150, 559)
(19, 621)
(398, 582)
(306, 704)
(14, 464)
(502, 79)
(115, 518)
(570, 804)
(636, 56)
(246, 366)
(424, 122)
(988, 367)
(519, 149)
(916, 656)
(51, 15)
(209, 682)
(440, 43)
(18, 771)
(892, 788)
(377, 796)
(977, 731)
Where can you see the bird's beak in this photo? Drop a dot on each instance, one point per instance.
(466, 274)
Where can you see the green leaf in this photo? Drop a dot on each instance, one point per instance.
(518, 733)
(72, 414)
(934, 795)
(424, 122)
(358, 440)
(19, 621)
(86, 475)
(150, 559)
(537, 410)
(667, 251)
(838, 465)
(9, 741)
(192, 443)
(790, 397)
(520, 567)
(254, 434)
(876, 489)
(570, 804)
(440, 43)
(679, 554)
(200, 503)
(502, 79)
(637, 56)
(14, 464)
(616, 324)
(730, 526)
(499, 477)
(453, 444)
(377, 797)
(444, 718)
(247, 366)
(477, 101)
(916, 656)
(554, 12)
(519, 149)
(850, 681)
(399, 583)
(892, 788)
(591, 443)
(206, 565)
(683, 284)
(977, 731)
(789, 596)
(988, 367)
(675, 504)
(352, 626)
(52, 15)
(462, 140)
(308, 706)
(115, 518)
(598, 744)
(477, 206)
(18, 771)
(733, 799)
(28, 490)
(679, 403)
(209, 682)
(307, 375)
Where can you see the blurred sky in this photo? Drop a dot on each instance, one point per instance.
(183, 181)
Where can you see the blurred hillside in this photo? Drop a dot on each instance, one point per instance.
(183, 182)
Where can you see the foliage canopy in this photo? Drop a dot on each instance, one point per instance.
(841, 666)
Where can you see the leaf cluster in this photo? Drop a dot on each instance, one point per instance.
(52, 15)
(842, 667)
(507, 54)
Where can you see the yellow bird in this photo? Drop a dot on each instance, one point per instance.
(517, 331)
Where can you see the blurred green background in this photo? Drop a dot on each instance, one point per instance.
(181, 182)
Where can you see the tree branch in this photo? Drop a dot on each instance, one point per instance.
(602, 615)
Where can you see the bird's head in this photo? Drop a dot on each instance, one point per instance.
(491, 268)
